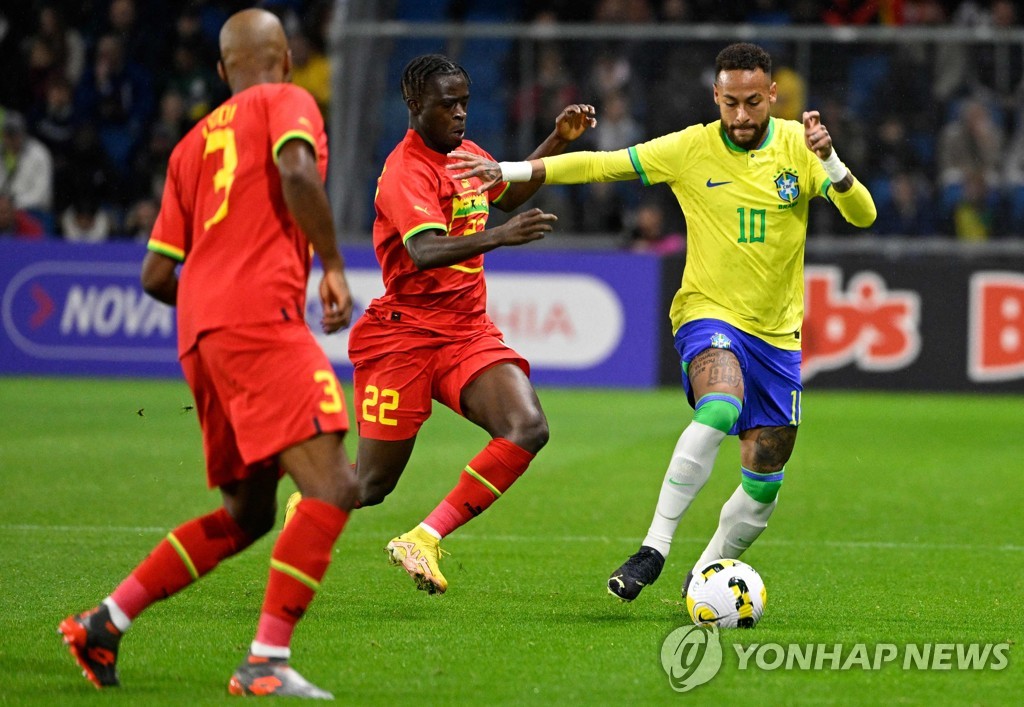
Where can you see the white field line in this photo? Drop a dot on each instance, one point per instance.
(603, 539)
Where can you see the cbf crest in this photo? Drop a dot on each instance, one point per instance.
(720, 341)
(787, 185)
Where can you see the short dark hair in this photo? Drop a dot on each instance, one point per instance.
(420, 69)
(743, 57)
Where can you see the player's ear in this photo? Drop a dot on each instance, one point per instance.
(413, 105)
(222, 71)
(773, 93)
(714, 89)
(287, 68)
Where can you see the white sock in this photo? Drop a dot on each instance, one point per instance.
(266, 651)
(430, 530)
(743, 519)
(118, 617)
(691, 464)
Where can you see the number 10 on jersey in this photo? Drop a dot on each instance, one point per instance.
(751, 225)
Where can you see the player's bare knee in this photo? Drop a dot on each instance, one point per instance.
(374, 489)
(773, 447)
(370, 495)
(346, 490)
(531, 434)
(255, 522)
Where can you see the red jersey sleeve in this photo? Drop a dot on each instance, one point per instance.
(495, 193)
(292, 114)
(171, 230)
(410, 198)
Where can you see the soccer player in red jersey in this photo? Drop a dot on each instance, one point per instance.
(429, 337)
(243, 204)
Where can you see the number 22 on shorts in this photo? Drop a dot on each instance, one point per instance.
(381, 401)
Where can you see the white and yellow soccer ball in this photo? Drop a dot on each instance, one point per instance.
(725, 593)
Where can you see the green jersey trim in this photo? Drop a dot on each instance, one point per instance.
(503, 192)
(634, 159)
(424, 227)
(166, 249)
(292, 135)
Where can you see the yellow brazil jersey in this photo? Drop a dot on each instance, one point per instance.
(746, 215)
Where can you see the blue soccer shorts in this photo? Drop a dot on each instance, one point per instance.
(771, 376)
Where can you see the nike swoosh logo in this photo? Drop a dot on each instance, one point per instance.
(712, 185)
(679, 483)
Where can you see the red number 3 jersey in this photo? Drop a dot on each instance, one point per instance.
(223, 213)
(415, 193)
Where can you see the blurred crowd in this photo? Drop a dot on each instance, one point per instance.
(95, 93)
(936, 130)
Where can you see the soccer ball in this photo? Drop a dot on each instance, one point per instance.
(725, 593)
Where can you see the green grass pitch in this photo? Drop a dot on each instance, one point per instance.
(900, 522)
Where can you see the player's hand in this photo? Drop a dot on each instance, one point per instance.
(470, 164)
(574, 120)
(816, 135)
(336, 300)
(527, 226)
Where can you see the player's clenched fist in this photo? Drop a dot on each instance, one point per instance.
(816, 135)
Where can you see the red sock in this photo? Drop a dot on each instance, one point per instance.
(486, 477)
(186, 554)
(297, 564)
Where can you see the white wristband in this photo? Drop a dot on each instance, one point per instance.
(516, 171)
(834, 167)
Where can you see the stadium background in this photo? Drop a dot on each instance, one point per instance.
(900, 524)
(923, 97)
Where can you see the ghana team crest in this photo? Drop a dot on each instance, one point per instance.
(787, 185)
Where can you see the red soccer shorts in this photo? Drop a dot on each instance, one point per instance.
(400, 369)
(259, 390)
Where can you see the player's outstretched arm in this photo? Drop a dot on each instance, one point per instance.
(470, 164)
(573, 168)
(432, 249)
(571, 123)
(307, 201)
(850, 196)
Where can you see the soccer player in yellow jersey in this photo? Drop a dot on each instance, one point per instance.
(744, 184)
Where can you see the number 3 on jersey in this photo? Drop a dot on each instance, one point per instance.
(222, 140)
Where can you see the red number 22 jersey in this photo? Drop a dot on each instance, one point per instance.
(415, 193)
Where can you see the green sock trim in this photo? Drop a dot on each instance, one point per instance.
(295, 573)
(763, 488)
(183, 554)
(487, 484)
(718, 410)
